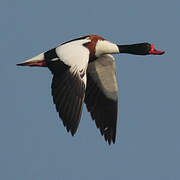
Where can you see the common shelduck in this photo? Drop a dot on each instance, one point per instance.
(84, 71)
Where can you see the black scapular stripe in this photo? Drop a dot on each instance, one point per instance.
(56, 66)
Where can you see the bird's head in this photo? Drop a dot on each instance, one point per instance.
(140, 49)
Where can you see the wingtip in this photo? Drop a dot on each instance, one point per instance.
(111, 141)
(73, 132)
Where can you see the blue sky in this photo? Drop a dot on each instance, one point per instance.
(34, 143)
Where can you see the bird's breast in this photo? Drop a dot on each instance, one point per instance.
(91, 47)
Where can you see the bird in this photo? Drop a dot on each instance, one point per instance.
(84, 71)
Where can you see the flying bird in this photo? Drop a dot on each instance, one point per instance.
(84, 71)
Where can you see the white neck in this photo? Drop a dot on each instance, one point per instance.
(105, 47)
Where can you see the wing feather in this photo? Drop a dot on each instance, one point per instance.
(101, 95)
(68, 65)
(68, 91)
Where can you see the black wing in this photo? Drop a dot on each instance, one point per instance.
(101, 95)
(68, 91)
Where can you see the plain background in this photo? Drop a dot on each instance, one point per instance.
(34, 145)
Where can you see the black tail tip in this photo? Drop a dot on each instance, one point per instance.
(19, 64)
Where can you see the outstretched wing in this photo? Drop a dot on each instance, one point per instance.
(68, 90)
(101, 95)
(69, 82)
